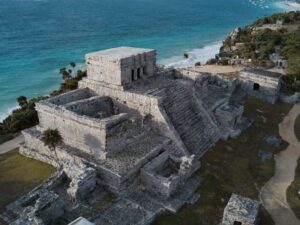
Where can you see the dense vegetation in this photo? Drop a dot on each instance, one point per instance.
(279, 33)
(25, 115)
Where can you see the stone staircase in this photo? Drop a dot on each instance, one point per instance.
(195, 130)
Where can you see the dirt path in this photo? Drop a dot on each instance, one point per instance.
(12, 144)
(273, 194)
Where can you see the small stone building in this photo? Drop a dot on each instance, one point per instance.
(241, 211)
(261, 84)
(119, 67)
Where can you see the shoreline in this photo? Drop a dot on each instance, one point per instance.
(201, 54)
(196, 55)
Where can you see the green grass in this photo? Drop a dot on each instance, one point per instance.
(18, 175)
(292, 195)
(233, 167)
(297, 127)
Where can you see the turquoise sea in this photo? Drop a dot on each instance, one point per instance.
(37, 37)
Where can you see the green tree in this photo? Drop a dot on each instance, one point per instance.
(51, 138)
(294, 66)
(22, 100)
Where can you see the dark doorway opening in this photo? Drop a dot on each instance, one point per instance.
(139, 73)
(255, 86)
(237, 223)
(132, 75)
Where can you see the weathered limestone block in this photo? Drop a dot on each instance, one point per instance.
(261, 84)
(241, 210)
(120, 66)
(83, 184)
(188, 166)
(43, 208)
(166, 173)
(228, 115)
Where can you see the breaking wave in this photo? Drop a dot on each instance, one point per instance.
(287, 5)
(195, 55)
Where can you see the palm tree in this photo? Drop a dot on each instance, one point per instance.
(22, 100)
(52, 137)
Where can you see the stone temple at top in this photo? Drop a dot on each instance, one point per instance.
(120, 67)
(135, 129)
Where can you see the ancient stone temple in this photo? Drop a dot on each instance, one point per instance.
(132, 128)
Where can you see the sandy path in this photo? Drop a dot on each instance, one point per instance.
(273, 194)
(217, 69)
(12, 144)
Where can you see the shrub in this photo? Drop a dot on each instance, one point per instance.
(224, 62)
(211, 61)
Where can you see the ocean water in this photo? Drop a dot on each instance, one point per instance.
(37, 37)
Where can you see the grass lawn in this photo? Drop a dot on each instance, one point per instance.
(233, 167)
(292, 195)
(18, 175)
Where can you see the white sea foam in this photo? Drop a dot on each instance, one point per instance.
(263, 4)
(287, 5)
(5, 112)
(195, 55)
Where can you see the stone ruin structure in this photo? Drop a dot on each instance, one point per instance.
(132, 128)
(261, 84)
(241, 211)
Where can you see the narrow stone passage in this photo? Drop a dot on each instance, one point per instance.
(273, 194)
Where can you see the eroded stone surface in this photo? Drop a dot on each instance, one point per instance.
(132, 128)
(241, 210)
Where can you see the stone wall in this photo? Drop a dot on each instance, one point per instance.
(261, 87)
(140, 104)
(165, 173)
(97, 107)
(122, 71)
(71, 96)
(229, 115)
(41, 206)
(82, 132)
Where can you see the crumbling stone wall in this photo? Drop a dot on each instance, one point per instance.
(83, 132)
(82, 184)
(165, 173)
(260, 86)
(41, 206)
(71, 96)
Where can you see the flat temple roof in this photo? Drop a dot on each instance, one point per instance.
(263, 72)
(119, 53)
